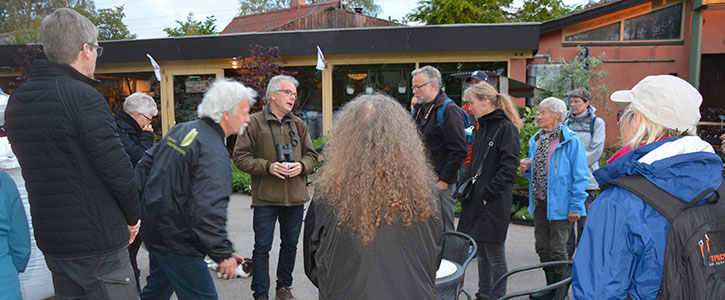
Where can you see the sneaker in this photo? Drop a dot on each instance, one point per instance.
(284, 293)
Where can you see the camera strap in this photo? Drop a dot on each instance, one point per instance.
(274, 140)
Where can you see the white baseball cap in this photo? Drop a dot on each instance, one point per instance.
(666, 100)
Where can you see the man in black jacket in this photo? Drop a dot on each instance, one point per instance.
(137, 135)
(79, 179)
(446, 145)
(186, 181)
(134, 124)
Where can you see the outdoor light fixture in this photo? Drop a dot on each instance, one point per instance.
(235, 63)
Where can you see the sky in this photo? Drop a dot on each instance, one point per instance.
(148, 19)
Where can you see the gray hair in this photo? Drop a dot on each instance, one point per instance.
(224, 95)
(431, 75)
(142, 103)
(581, 94)
(64, 33)
(276, 81)
(555, 106)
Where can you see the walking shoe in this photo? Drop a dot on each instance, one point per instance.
(284, 293)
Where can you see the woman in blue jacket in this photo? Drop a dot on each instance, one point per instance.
(14, 238)
(558, 178)
(622, 248)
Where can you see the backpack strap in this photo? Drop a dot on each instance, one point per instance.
(441, 110)
(665, 204)
(591, 126)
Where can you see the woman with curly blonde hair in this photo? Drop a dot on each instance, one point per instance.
(373, 229)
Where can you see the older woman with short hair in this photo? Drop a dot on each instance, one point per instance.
(558, 178)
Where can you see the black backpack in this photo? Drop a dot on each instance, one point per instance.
(694, 265)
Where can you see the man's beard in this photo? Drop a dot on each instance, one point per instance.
(241, 129)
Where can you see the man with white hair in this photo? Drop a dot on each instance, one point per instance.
(186, 182)
(80, 182)
(134, 124)
(137, 135)
(277, 151)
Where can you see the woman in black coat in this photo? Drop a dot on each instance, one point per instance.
(486, 214)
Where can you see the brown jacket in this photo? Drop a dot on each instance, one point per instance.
(255, 152)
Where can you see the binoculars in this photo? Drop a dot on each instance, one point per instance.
(285, 152)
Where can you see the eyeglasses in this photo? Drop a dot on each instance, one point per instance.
(99, 49)
(147, 118)
(417, 87)
(289, 93)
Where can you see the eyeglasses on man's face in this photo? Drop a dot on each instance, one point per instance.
(99, 49)
(418, 87)
(289, 93)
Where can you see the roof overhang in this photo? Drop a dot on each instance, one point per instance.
(437, 38)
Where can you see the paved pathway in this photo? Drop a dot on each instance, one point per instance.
(519, 250)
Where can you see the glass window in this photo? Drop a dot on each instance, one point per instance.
(605, 33)
(309, 98)
(663, 24)
(188, 92)
(349, 81)
(115, 87)
(455, 74)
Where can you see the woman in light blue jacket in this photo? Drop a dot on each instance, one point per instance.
(558, 178)
(14, 238)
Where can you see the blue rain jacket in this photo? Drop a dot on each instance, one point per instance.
(622, 248)
(14, 238)
(568, 177)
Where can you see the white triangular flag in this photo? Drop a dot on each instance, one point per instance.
(320, 59)
(157, 69)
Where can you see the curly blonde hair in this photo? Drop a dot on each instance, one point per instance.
(376, 169)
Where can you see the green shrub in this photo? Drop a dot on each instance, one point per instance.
(523, 214)
(528, 117)
(241, 182)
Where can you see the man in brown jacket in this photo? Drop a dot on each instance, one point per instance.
(277, 151)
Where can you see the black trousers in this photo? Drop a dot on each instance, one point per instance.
(106, 276)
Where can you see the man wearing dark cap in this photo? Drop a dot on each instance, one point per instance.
(477, 77)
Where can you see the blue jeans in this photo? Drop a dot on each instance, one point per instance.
(188, 276)
(264, 221)
(491, 266)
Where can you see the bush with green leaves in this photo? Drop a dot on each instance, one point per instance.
(241, 182)
(529, 128)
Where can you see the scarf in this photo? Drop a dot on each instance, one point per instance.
(540, 174)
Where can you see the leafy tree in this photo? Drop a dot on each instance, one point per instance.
(23, 18)
(248, 7)
(543, 10)
(580, 72)
(191, 27)
(262, 64)
(461, 11)
(110, 24)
